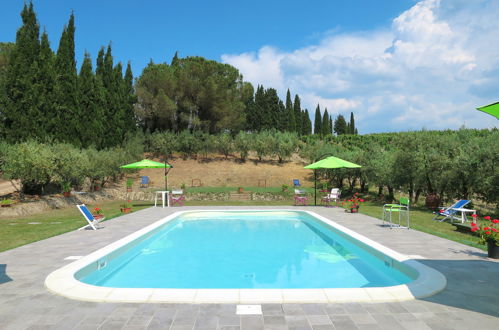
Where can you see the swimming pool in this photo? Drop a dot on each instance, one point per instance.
(218, 256)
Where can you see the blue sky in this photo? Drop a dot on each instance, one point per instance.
(397, 64)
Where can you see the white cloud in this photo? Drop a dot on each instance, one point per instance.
(430, 68)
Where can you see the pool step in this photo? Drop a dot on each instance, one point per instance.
(240, 197)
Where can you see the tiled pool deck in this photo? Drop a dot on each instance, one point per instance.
(470, 300)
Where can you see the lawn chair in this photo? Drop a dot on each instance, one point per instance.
(450, 212)
(92, 222)
(403, 206)
(177, 197)
(300, 197)
(334, 195)
(144, 183)
(296, 183)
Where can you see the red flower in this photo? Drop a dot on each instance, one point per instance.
(495, 221)
(487, 232)
(442, 211)
(474, 215)
(494, 230)
(487, 218)
(473, 229)
(97, 209)
(473, 224)
(361, 200)
(486, 228)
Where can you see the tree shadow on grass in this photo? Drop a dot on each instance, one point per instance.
(4, 278)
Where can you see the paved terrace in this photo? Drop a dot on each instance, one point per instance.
(470, 300)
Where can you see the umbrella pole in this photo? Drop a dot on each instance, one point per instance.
(166, 180)
(315, 187)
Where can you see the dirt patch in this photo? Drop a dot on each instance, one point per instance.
(217, 171)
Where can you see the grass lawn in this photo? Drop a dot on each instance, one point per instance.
(18, 231)
(274, 190)
(421, 219)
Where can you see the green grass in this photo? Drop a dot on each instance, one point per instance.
(421, 219)
(17, 231)
(274, 190)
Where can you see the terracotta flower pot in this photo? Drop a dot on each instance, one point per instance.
(67, 193)
(98, 216)
(126, 209)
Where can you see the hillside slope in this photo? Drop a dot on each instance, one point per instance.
(216, 171)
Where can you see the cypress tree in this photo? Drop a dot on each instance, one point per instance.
(258, 119)
(175, 60)
(290, 113)
(298, 115)
(317, 121)
(46, 87)
(92, 133)
(352, 124)
(283, 123)
(326, 126)
(272, 118)
(130, 99)
(21, 115)
(68, 119)
(340, 125)
(307, 123)
(117, 96)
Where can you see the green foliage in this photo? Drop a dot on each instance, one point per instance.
(162, 144)
(242, 144)
(326, 125)
(261, 144)
(224, 144)
(340, 125)
(43, 98)
(193, 94)
(284, 145)
(188, 145)
(318, 121)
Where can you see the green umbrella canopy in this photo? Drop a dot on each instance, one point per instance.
(332, 162)
(146, 163)
(329, 162)
(491, 109)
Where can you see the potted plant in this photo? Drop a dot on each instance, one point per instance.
(488, 234)
(284, 187)
(98, 213)
(240, 190)
(352, 205)
(66, 189)
(129, 184)
(126, 207)
(6, 202)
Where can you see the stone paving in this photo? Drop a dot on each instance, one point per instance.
(470, 300)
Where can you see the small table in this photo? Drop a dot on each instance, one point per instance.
(463, 214)
(164, 194)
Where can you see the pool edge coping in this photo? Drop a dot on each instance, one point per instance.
(63, 282)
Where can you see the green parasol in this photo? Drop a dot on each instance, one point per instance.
(491, 109)
(147, 163)
(329, 162)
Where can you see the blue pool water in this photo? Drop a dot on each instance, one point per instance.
(245, 250)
